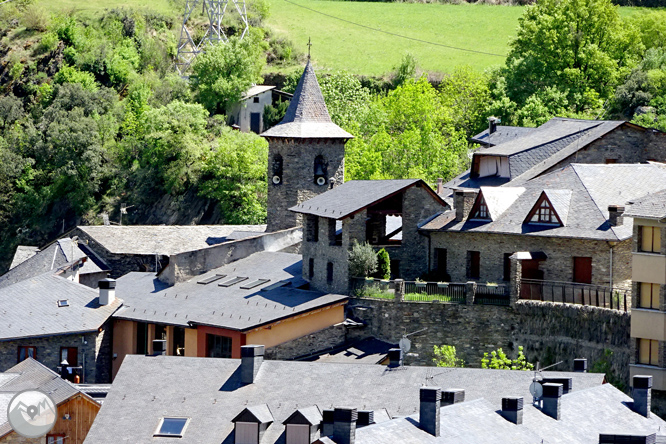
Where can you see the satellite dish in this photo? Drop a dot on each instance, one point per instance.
(321, 181)
(536, 389)
(405, 344)
(276, 180)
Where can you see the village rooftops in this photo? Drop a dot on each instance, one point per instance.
(251, 292)
(56, 255)
(651, 206)
(501, 135)
(49, 305)
(580, 195)
(307, 115)
(210, 393)
(355, 195)
(31, 375)
(163, 239)
(585, 414)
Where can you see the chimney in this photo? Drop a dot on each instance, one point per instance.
(440, 186)
(159, 347)
(512, 409)
(615, 213)
(331, 182)
(107, 291)
(567, 383)
(452, 396)
(365, 418)
(580, 365)
(430, 398)
(251, 358)
(463, 201)
(395, 357)
(492, 125)
(552, 400)
(642, 394)
(628, 439)
(327, 422)
(344, 425)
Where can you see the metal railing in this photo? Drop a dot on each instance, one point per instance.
(492, 294)
(430, 291)
(575, 293)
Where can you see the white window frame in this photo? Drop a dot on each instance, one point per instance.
(167, 435)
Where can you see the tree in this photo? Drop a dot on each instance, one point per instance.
(465, 92)
(581, 48)
(383, 264)
(224, 72)
(446, 356)
(346, 99)
(498, 360)
(362, 260)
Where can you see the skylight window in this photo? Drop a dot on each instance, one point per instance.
(277, 285)
(254, 283)
(211, 279)
(63, 303)
(232, 281)
(172, 427)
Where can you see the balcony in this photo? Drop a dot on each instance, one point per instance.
(658, 374)
(648, 324)
(575, 293)
(648, 267)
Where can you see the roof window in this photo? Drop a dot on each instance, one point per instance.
(172, 427)
(254, 283)
(277, 285)
(211, 279)
(63, 303)
(232, 281)
(480, 209)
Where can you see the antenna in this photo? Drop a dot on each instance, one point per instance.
(536, 389)
(188, 49)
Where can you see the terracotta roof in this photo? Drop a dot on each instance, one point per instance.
(307, 115)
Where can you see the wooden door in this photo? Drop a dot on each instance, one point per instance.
(582, 272)
(255, 122)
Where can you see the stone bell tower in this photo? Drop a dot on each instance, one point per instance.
(306, 153)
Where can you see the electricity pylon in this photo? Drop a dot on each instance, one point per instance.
(188, 49)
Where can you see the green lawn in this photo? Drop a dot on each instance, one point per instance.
(164, 6)
(340, 45)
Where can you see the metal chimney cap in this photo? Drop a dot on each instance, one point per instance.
(642, 382)
(251, 351)
(107, 284)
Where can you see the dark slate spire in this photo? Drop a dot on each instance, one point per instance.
(307, 116)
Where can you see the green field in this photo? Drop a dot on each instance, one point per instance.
(164, 6)
(340, 45)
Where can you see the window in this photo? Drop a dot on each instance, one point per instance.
(178, 342)
(141, 338)
(26, 351)
(507, 267)
(651, 239)
(232, 281)
(440, 262)
(63, 303)
(544, 214)
(320, 171)
(55, 439)
(334, 239)
(160, 331)
(473, 264)
(311, 268)
(649, 295)
(218, 346)
(277, 170)
(609, 161)
(480, 210)
(582, 270)
(648, 352)
(329, 272)
(71, 355)
(172, 427)
(312, 228)
(255, 100)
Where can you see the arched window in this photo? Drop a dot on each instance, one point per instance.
(320, 176)
(277, 170)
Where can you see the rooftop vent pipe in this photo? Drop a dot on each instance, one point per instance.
(107, 291)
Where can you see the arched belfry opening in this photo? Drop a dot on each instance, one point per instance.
(320, 171)
(276, 179)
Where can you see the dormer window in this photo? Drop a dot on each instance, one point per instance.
(171, 427)
(302, 426)
(480, 209)
(251, 423)
(544, 214)
(551, 208)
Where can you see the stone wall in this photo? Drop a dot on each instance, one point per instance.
(548, 332)
(297, 182)
(322, 252)
(328, 338)
(95, 352)
(15, 438)
(558, 266)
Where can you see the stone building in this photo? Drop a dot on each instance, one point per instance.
(567, 224)
(76, 410)
(306, 153)
(248, 114)
(385, 213)
(648, 316)
(53, 319)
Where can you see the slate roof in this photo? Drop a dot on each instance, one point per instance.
(585, 414)
(499, 199)
(209, 391)
(651, 206)
(30, 308)
(593, 188)
(23, 253)
(355, 195)
(54, 256)
(307, 115)
(29, 375)
(162, 239)
(235, 308)
(367, 351)
(256, 89)
(501, 135)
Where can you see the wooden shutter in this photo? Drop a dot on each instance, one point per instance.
(582, 270)
(646, 239)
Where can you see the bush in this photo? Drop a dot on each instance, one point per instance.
(362, 260)
(405, 70)
(69, 74)
(35, 19)
(445, 356)
(498, 360)
(383, 264)
(48, 43)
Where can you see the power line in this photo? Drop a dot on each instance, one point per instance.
(393, 33)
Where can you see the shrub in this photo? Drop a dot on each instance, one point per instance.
(362, 260)
(498, 360)
(48, 43)
(445, 356)
(405, 70)
(69, 74)
(383, 264)
(35, 19)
